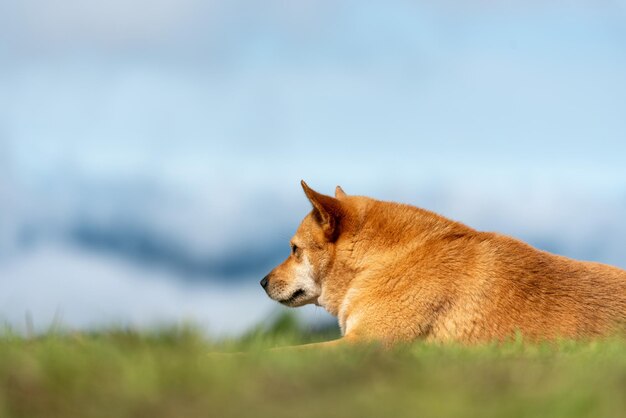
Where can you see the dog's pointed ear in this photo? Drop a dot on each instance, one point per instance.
(339, 193)
(327, 211)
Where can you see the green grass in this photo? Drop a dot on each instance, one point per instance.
(170, 373)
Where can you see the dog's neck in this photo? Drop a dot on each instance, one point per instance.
(334, 290)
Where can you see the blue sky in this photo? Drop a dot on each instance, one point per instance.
(108, 88)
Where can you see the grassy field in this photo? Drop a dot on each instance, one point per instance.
(169, 373)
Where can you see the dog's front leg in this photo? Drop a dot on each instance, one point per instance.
(344, 341)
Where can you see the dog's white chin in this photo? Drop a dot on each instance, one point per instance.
(294, 304)
(299, 300)
(302, 302)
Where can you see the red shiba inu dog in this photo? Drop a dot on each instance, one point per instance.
(395, 273)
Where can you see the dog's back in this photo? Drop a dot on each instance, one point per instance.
(515, 287)
(426, 276)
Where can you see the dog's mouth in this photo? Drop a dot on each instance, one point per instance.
(293, 298)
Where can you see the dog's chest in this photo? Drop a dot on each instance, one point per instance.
(346, 316)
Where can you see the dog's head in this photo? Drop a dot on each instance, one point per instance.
(298, 280)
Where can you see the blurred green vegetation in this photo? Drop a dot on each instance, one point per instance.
(177, 372)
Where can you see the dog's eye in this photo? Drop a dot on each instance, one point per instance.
(294, 249)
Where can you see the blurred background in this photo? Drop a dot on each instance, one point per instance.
(151, 151)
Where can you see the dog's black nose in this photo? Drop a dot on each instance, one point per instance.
(264, 281)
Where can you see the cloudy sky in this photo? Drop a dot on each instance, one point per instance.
(188, 124)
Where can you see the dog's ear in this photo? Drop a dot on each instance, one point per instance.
(326, 210)
(339, 193)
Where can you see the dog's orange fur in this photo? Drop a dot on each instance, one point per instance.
(395, 273)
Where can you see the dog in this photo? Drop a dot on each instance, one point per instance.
(394, 273)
